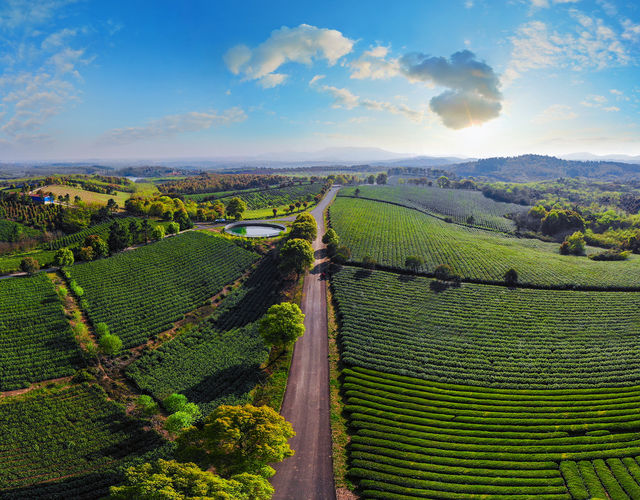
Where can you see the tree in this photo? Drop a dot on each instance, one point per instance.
(511, 277)
(29, 265)
(275, 211)
(167, 215)
(573, 245)
(173, 228)
(98, 245)
(305, 217)
(145, 228)
(443, 182)
(330, 237)
(157, 233)
(237, 439)
(371, 179)
(341, 255)
(110, 344)
(414, 262)
(471, 220)
(119, 237)
(175, 402)
(112, 206)
(236, 207)
(296, 255)
(101, 329)
(182, 218)
(444, 272)
(63, 257)
(282, 324)
(369, 262)
(304, 230)
(171, 480)
(559, 221)
(357, 192)
(381, 178)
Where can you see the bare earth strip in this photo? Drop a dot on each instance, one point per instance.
(308, 475)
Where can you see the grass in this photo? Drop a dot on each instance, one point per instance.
(11, 263)
(87, 196)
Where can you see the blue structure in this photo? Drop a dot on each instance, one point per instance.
(42, 200)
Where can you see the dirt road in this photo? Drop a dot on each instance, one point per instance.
(308, 475)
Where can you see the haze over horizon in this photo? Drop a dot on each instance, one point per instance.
(469, 78)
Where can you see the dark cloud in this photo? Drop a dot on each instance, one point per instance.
(474, 95)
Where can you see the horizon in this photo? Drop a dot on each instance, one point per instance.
(469, 79)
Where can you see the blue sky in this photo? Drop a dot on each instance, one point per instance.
(163, 79)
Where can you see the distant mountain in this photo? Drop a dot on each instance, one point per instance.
(528, 168)
(592, 157)
(423, 161)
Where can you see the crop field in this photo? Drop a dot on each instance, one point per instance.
(417, 439)
(10, 230)
(390, 234)
(86, 196)
(72, 433)
(219, 362)
(488, 335)
(101, 230)
(459, 204)
(266, 198)
(140, 293)
(11, 262)
(36, 342)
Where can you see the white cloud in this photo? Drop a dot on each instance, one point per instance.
(474, 95)
(316, 79)
(543, 4)
(344, 98)
(373, 65)
(594, 101)
(468, 4)
(631, 30)
(302, 44)
(555, 113)
(590, 45)
(171, 125)
(16, 14)
(616, 92)
(611, 109)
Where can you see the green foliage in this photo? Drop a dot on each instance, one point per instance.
(304, 227)
(381, 178)
(77, 290)
(511, 277)
(560, 221)
(157, 233)
(14, 232)
(330, 237)
(219, 362)
(101, 329)
(142, 292)
(36, 342)
(178, 421)
(443, 272)
(63, 257)
(610, 255)
(110, 344)
(29, 265)
(296, 255)
(488, 335)
(414, 262)
(174, 402)
(342, 254)
(173, 228)
(389, 233)
(235, 208)
(573, 245)
(72, 431)
(282, 325)
(238, 439)
(146, 404)
(119, 237)
(173, 480)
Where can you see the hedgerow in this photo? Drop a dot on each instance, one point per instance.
(36, 342)
(140, 293)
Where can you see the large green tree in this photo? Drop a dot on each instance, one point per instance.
(282, 324)
(236, 207)
(237, 439)
(171, 480)
(296, 255)
(63, 257)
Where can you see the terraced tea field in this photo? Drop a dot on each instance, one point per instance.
(74, 434)
(417, 439)
(218, 362)
(391, 233)
(459, 204)
(36, 342)
(141, 293)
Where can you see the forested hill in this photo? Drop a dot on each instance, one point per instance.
(537, 168)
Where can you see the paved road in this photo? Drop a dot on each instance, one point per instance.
(308, 475)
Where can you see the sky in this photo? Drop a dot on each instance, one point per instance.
(83, 79)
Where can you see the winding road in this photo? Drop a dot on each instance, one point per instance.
(308, 475)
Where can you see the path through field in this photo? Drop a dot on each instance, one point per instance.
(308, 475)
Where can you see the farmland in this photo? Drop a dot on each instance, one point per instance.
(488, 335)
(218, 362)
(74, 434)
(87, 196)
(462, 206)
(36, 342)
(417, 439)
(390, 234)
(141, 293)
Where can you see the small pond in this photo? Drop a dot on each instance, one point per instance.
(255, 230)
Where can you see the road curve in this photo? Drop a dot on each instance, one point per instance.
(308, 475)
